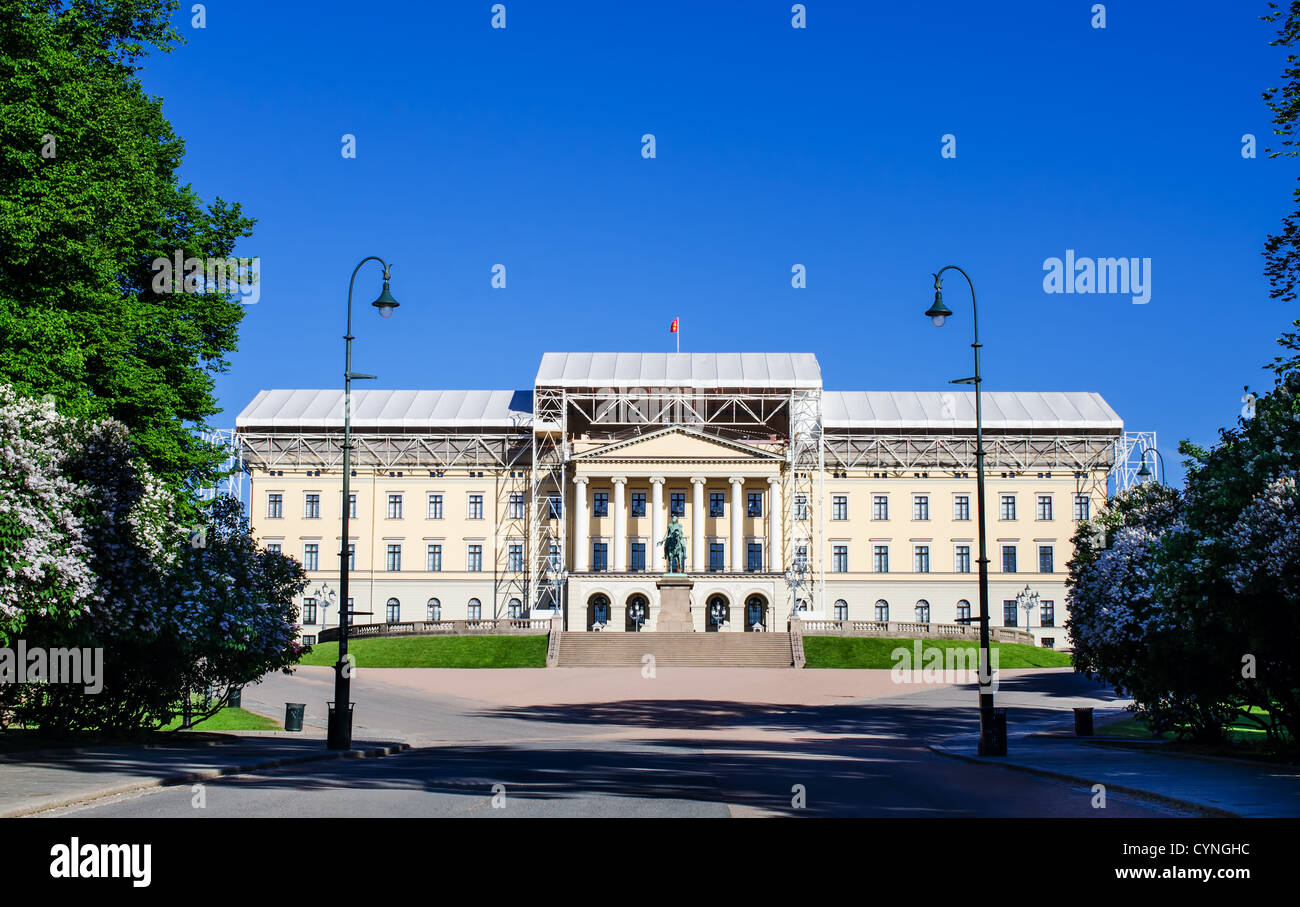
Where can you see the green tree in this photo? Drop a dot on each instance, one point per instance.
(90, 197)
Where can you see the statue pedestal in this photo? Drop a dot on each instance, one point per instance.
(674, 604)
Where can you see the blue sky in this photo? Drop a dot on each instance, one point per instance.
(775, 146)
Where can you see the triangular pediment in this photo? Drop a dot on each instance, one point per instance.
(678, 444)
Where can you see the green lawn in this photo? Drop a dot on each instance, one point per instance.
(437, 652)
(874, 652)
(229, 719)
(1240, 731)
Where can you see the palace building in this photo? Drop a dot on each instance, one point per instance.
(554, 500)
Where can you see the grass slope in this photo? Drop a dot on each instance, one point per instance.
(229, 719)
(437, 652)
(874, 652)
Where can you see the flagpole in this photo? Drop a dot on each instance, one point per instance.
(679, 336)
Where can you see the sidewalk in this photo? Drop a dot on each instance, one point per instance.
(1211, 786)
(46, 779)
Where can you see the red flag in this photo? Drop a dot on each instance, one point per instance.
(673, 329)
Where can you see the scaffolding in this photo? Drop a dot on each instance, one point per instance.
(233, 469)
(547, 536)
(803, 499)
(1129, 448)
(513, 528)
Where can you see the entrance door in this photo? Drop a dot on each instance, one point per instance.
(755, 613)
(717, 614)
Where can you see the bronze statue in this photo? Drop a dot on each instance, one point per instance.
(674, 547)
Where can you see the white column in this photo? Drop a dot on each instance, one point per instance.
(737, 524)
(657, 523)
(581, 519)
(620, 524)
(698, 563)
(774, 525)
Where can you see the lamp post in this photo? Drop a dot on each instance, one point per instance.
(339, 735)
(1144, 473)
(1027, 601)
(327, 597)
(991, 742)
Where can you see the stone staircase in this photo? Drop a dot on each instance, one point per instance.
(702, 650)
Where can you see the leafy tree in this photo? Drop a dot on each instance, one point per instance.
(90, 197)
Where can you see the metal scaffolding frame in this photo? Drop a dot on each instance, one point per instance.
(383, 450)
(716, 408)
(512, 526)
(548, 522)
(803, 502)
(234, 465)
(1020, 452)
(1128, 460)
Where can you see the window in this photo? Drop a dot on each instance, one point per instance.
(801, 559)
(717, 556)
(754, 503)
(515, 557)
(841, 610)
(880, 507)
(274, 506)
(352, 506)
(310, 640)
(394, 561)
(1008, 507)
(434, 564)
(515, 505)
(515, 609)
(1047, 614)
(840, 559)
(311, 507)
(923, 612)
(1008, 558)
(557, 509)
(475, 609)
(638, 503)
(921, 559)
(1044, 506)
(880, 558)
(393, 611)
(717, 503)
(352, 556)
(435, 506)
(1008, 613)
(882, 610)
(600, 503)
(394, 506)
(801, 507)
(273, 547)
(963, 611)
(920, 506)
(962, 559)
(840, 507)
(1081, 507)
(311, 556)
(1049, 642)
(599, 556)
(554, 557)
(637, 564)
(475, 507)
(754, 557)
(961, 507)
(474, 559)
(308, 611)
(677, 503)
(433, 610)
(1045, 559)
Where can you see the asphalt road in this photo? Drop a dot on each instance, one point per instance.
(643, 757)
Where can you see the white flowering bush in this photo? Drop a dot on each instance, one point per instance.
(94, 552)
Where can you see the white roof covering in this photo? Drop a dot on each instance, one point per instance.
(1003, 410)
(704, 370)
(305, 409)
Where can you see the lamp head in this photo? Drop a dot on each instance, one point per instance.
(385, 303)
(938, 312)
(1144, 472)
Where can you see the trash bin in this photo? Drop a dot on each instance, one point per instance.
(337, 733)
(293, 712)
(993, 740)
(1083, 722)
(235, 698)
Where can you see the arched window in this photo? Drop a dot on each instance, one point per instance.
(475, 609)
(922, 612)
(597, 611)
(434, 610)
(393, 611)
(882, 610)
(841, 610)
(963, 610)
(755, 613)
(717, 613)
(516, 609)
(638, 610)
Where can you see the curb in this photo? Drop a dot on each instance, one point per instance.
(207, 774)
(1209, 811)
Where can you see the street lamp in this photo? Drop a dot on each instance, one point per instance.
(339, 735)
(1144, 472)
(991, 742)
(1028, 601)
(327, 597)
